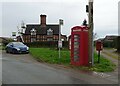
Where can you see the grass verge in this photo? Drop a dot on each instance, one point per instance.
(2, 47)
(51, 56)
(105, 65)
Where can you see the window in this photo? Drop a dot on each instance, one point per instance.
(33, 39)
(50, 39)
(33, 31)
(50, 32)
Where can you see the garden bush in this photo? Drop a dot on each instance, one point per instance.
(52, 44)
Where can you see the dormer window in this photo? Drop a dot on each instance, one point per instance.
(33, 32)
(50, 32)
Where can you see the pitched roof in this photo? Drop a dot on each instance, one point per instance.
(42, 30)
(110, 38)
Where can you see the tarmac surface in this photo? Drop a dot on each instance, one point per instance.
(23, 69)
(0, 67)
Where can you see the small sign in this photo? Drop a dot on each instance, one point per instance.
(85, 30)
(76, 30)
(13, 33)
(59, 44)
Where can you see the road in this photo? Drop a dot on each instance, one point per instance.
(0, 68)
(23, 69)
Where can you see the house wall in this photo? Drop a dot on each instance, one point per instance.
(26, 38)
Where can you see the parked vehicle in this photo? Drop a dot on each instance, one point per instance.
(16, 47)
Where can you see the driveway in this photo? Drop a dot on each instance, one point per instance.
(113, 57)
(23, 69)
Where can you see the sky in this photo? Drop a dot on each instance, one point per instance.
(73, 12)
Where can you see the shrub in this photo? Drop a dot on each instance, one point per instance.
(108, 44)
(117, 43)
(52, 44)
(6, 41)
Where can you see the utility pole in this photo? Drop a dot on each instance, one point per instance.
(90, 25)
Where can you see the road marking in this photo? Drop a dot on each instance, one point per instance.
(103, 75)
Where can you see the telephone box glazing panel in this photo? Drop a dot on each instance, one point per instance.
(76, 48)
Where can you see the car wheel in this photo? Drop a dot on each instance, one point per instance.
(7, 51)
(13, 51)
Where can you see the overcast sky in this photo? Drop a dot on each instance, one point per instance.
(73, 12)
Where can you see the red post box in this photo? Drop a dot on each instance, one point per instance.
(99, 46)
(79, 46)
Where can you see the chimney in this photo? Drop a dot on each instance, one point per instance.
(43, 20)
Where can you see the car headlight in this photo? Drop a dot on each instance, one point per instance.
(27, 48)
(17, 49)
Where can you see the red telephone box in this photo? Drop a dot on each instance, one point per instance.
(79, 46)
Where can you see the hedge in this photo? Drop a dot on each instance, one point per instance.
(6, 41)
(53, 44)
(117, 43)
(108, 44)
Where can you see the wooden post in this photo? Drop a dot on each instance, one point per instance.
(90, 25)
(99, 56)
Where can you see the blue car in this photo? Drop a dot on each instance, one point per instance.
(17, 47)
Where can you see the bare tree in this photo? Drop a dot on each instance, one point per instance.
(95, 36)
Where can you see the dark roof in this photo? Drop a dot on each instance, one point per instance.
(42, 30)
(110, 38)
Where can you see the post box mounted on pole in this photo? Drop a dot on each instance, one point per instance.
(99, 47)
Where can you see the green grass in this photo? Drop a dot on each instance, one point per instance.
(104, 66)
(51, 56)
(2, 47)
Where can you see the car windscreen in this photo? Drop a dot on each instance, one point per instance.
(18, 44)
